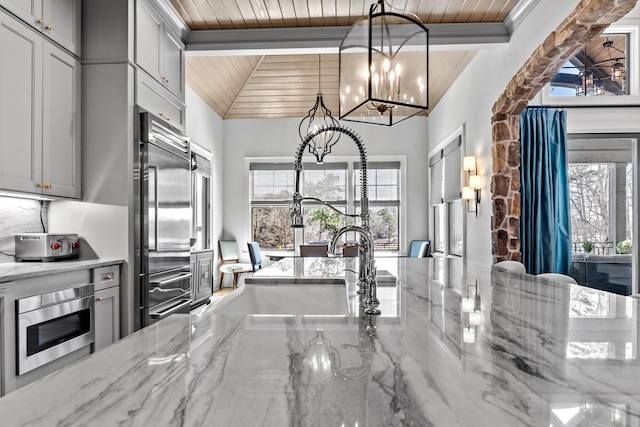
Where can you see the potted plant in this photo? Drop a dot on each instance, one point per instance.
(587, 247)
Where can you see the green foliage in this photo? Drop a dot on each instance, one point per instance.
(328, 220)
(625, 247)
(587, 246)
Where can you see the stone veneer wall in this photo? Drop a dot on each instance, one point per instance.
(18, 216)
(588, 20)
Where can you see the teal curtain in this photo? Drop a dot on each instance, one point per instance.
(545, 226)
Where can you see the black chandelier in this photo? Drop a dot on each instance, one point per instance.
(384, 62)
(318, 117)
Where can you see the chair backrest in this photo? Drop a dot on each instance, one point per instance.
(314, 250)
(420, 248)
(558, 278)
(228, 251)
(350, 251)
(255, 255)
(510, 266)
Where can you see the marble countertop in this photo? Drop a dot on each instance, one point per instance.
(533, 353)
(10, 271)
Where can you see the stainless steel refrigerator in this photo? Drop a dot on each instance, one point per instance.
(162, 174)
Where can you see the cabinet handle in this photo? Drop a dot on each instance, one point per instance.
(40, 185)
(98, 298)
(48, 186)
(164, 116)
(48, 27)
(107, 277)
(40, 21)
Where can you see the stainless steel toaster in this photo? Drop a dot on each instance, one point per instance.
(46, 246)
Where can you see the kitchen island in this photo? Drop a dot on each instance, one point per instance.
(456, 345)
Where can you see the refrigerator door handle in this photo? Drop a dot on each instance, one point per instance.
(161, 283)
(155, 206)
(183, 304)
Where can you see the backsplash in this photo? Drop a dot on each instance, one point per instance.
(19, 216)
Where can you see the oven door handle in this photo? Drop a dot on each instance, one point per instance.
(161, 283)
(169, 311)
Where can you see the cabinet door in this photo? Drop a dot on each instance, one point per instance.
(20, 106)
(149, 30)
(107, 317)
(61, 122)
(62, 20)
(205, 275)
(30, 11)
(173, 60)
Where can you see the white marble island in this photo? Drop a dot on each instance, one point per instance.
(542, 354)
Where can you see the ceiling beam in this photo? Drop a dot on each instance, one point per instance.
(327, 39)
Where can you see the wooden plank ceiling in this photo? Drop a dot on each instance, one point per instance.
(280, 86)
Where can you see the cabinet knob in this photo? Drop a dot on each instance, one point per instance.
(107, 277)
(40, 21)
(48, 186)
(48, 27)
(205, 275)
(98, 298)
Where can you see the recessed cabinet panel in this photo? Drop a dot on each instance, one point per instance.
(61, 22)
(174, 64)
(20, 105)
(151, 96)
(61, 119)
(27, 10)
(107, 317)
(149, 31)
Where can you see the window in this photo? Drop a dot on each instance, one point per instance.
(383, 182)
(271, 191)
(445, 199)
(599, 68)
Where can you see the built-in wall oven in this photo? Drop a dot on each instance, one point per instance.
(52, 325)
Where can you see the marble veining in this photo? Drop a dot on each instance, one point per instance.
(19, 216)
(539, 354)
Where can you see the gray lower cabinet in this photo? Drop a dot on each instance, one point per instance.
(202, 280)
(107, 306)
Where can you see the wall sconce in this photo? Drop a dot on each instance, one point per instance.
(471, 191)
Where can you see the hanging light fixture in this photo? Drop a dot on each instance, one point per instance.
(319, 116)
(384, 62)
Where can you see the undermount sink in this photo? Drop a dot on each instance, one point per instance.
(318, 299)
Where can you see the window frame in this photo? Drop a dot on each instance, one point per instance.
(447, 194)
(633, 79)
(351, 188)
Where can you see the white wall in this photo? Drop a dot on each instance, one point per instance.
(206, 128)
(279, 138)
(469, 101)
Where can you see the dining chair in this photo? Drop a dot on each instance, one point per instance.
(229, 258)
(314, 250)
(420, 249)
(557, 278)
(255, 255)
(510, 266)
(350, 250)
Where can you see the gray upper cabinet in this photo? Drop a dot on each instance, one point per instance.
(39, 114)
(159, 51)
(58, 20)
